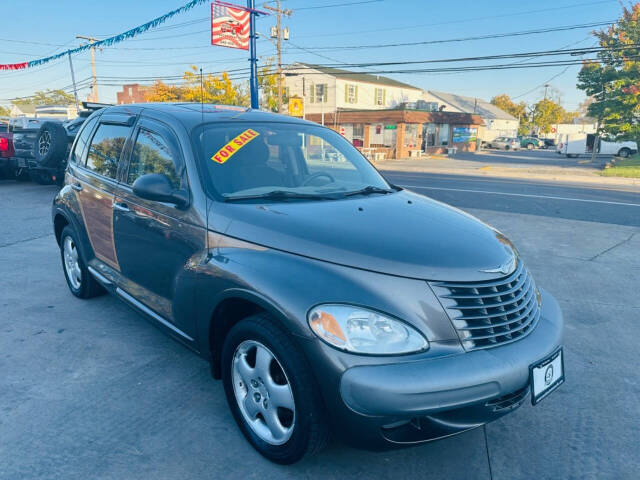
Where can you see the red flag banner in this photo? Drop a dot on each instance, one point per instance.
(229, 26)
(13, 66)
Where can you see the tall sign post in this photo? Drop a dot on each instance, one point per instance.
(234, 26)
(253, 80)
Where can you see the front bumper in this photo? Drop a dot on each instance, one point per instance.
(417, 401)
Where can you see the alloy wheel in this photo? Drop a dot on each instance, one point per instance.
(263, 392)
(71, 263)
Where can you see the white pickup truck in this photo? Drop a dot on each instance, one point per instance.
(582, 144)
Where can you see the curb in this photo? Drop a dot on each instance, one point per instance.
(492, 172)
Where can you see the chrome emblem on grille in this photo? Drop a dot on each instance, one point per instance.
(506, 268)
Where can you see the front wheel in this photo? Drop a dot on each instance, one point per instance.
(271, 391)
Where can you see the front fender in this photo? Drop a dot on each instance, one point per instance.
(289, 285)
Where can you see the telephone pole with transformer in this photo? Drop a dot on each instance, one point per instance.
(278, 33)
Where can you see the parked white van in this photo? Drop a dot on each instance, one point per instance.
(581, 144)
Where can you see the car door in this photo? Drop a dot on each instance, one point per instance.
(154, 240)
(94, 177)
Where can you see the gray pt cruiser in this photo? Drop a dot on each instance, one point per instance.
(324, 297)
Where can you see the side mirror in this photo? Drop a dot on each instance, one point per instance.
(157, 187)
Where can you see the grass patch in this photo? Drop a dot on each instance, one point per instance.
(628, 167)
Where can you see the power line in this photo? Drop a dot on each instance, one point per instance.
(539, 53)
(472, 19)
(461, 39)
(333, 5)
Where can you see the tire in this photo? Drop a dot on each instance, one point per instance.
(302, 430)
(50, 145)
(82, 284)
(529, 146)
(624, 153)
(507, 147)
(41, 177)
(21, 175)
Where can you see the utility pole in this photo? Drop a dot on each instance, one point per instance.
(596, 139)
(253, 78)
(73, 79)
(546, 86)
(279, 33)
(94, 82)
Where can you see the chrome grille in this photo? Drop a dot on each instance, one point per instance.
(491, 313)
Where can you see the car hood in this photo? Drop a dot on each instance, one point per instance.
(402, 234)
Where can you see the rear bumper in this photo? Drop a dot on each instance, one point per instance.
(418, 401)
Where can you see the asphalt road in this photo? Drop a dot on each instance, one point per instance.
(537, 158)
(88, 389)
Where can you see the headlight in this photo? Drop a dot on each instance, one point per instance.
(359, 330)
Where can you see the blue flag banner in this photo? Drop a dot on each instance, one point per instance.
(107, 41)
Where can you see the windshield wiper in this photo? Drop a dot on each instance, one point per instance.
(368, 191)
(280, 195)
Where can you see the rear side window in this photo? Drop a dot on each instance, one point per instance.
(106, 148)
(83, 138)
(151, 154)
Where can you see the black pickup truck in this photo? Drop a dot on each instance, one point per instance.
(42, 145)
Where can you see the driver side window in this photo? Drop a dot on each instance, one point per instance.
(151, 154)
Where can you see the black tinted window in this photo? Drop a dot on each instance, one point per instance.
(81, 144)
(151, 154)
(105, 149)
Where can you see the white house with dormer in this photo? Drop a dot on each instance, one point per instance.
(327, 90)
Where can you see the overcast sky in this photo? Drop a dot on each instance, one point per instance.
(35, 28)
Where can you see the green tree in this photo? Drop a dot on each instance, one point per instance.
(613, 80)
(4, 111)
(46, 97)
(268, 83)
(518, 110)
(546, 113)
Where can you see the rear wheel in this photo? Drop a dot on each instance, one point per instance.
(271, 391)
(80, 281)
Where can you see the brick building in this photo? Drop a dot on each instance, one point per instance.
(132, 93)
(404, 133)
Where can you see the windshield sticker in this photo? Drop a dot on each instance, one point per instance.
(226, 152)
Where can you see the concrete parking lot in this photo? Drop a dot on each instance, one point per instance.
(88, 389)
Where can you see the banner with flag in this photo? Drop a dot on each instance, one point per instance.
(229, 26)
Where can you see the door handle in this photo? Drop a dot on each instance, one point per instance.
(120, 206)
(77, 187)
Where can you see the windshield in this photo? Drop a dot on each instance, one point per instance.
(283, 161)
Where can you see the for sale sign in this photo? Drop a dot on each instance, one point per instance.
(229, 26)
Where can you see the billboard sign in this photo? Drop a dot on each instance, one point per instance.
(464, 135)
(229, 26)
